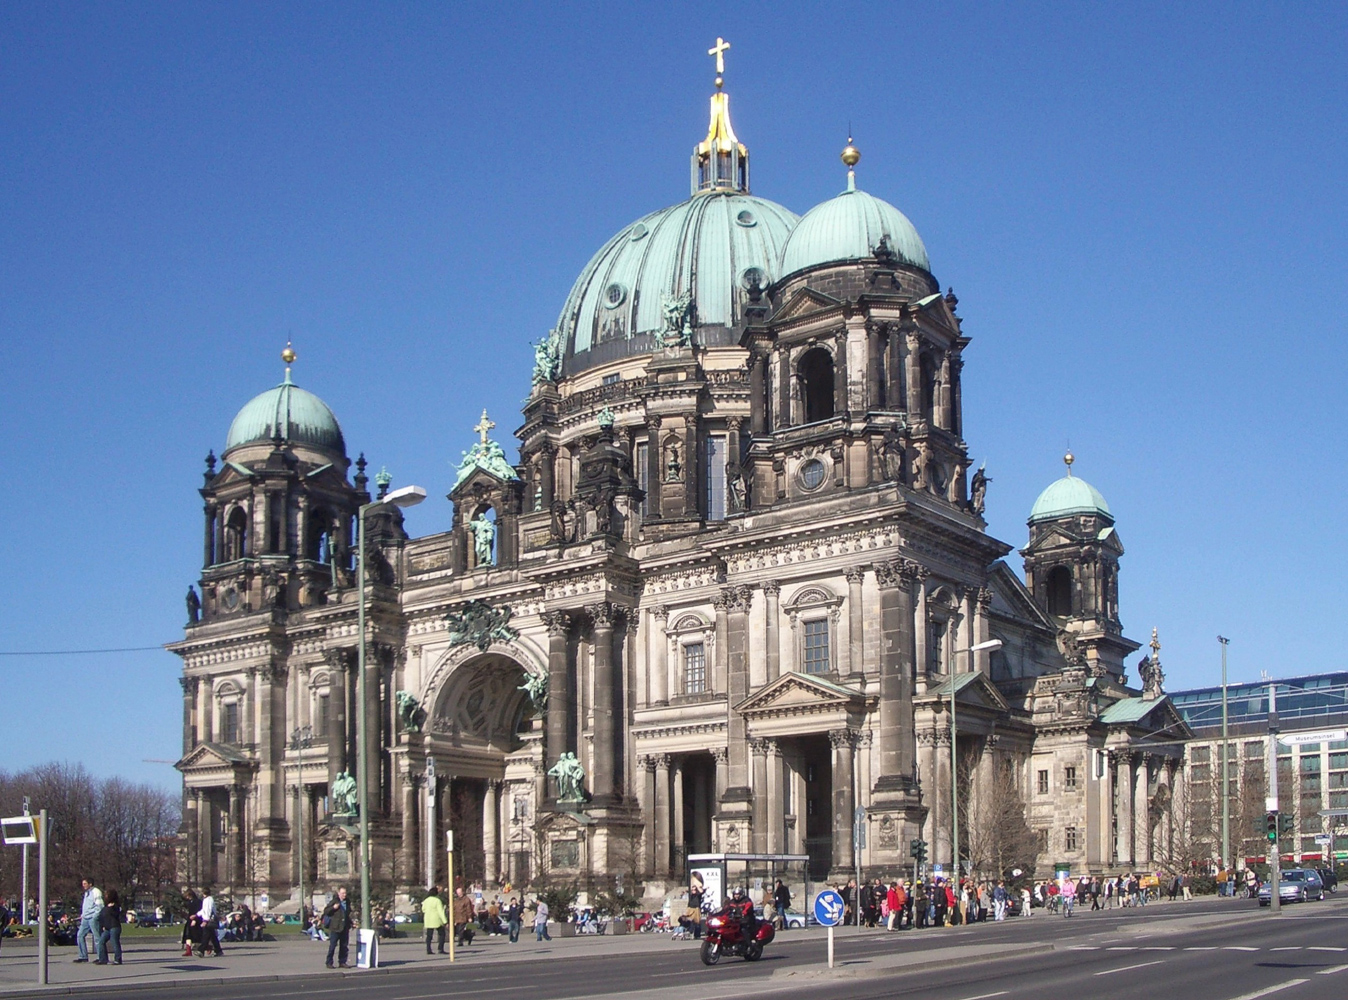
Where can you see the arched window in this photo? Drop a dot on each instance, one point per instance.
(236, 535)
(929, 386)
(318, 545)
(1059, 591)
(816, 384)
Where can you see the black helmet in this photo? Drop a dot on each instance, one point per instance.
(737, 893)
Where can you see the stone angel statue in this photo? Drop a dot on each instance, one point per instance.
(537, 687)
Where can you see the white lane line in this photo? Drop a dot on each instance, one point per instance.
(1122, 947)
(1269, 989)
(1083, 947)
(1202, 947)
(1325, 947)
(1127, 968)
(1289, 947)
(988, 996)
(1240, 947)
(1159, 947)
(1330, 971)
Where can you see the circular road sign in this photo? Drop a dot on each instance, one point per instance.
(828, 908)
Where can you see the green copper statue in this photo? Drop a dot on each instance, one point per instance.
(570, 777)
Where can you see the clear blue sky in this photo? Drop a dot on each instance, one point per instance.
(1141, 207)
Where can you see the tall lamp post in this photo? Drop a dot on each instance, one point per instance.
(1226, 769)
(981, 647)
(408, 496)
(301, 740)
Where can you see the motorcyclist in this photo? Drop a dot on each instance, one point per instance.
(740, 908)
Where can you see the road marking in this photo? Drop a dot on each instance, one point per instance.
(1269, 989)
(1122, 947)
(1159, 947)
(1325, 947)
(1202, 947)
(1240, 947)
(988, 996)
(1290, 947)
(1127, 968)
(1083, 947)
(1332, 970)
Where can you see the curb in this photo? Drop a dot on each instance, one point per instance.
(70, 989)
(928, 965)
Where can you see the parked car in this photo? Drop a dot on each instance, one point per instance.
(1330, 880)
(1296, 885)
(794, 920)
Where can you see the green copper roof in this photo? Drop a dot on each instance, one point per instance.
(705, 246)
(1130, 710)
(850, 227)
(1070, 495)
(294, 414)
(961, 682)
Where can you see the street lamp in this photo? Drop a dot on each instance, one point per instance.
(301, 740)
(988, 646)
(1226, 768)
(408, 496)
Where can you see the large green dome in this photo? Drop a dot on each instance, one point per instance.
(1068, 496)
(850, 227)
(291, 413)
(710, 247)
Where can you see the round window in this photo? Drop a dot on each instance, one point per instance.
(746, 219)
(614, 295)
(754, 276)
(637, 232)
(812, 474)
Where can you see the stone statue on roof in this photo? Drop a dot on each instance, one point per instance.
(570, 775)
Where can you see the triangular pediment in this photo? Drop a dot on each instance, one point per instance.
(972, 691)
(793, 691)
(1009, 596)
(212, 755)
(1052, 539)
(477, 481)
(802, 303)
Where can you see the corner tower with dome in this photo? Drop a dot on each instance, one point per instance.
(728, 593)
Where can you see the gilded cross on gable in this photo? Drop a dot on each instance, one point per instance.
(483, 426)
(1155, 646)
(718, 50)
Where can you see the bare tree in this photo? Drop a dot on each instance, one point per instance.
(996, 839)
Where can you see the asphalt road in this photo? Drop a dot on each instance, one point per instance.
(1218, 950)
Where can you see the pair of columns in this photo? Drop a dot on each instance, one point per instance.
(1137, 841)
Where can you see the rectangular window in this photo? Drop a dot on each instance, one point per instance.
(1310, 765)
(1199, 755)
(1069, 778)
(321, 716)
(643, 470)
(229, 722)
(936, 647)
(1254, 750)
(1200, 774)
(1070, 838)
(1337, 761)
(715, 451)
(613, 379)
(1043, 782)
(694, 668)
(816, 647)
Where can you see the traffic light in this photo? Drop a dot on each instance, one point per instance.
(1271, 827)
(917, 849)
(1285, 824)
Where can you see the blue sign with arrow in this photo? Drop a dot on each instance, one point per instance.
(828, 908)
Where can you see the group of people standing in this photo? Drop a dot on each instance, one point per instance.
(435, 916)
(101, 919)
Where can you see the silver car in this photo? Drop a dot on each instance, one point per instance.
(1296, 885)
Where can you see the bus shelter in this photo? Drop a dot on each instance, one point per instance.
(717, 874)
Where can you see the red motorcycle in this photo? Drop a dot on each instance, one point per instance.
(725, 936)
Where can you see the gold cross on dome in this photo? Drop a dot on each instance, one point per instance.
(483, 426)
(718, 50)
(1155, 646)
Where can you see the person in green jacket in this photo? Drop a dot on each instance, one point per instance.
(434, 917)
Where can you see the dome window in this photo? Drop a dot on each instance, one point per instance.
(614, 296)
(753, 276)
(812, 474)
(747, 219)
(637, 232)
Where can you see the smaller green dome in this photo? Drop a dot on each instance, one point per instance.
(293, 414)
(850, 227)
(1068, 496)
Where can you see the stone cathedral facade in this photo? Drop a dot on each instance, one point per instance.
(736, 570)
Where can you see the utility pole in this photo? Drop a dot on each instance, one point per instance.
(1275, 868)
(1227, 860)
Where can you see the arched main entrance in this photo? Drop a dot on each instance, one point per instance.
(480, 719)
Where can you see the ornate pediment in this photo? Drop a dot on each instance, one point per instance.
(804, 302)
(213, 757)
(795, 693)
(972, 691)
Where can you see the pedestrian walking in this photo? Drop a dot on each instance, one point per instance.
(434, 918)
(463, 918)
(541, 921)
(90, 908)
(209, 922)
(337, 922)
(110, 929)
(514, 917)
(781, 898)
(999, 901)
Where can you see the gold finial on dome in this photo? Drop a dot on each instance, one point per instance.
(288, 356)
(1068, 459)
(720, 161)
(850, 154)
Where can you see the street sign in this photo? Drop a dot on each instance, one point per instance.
(828, 908)
(1323, 736)
(1324, 840)
(19, 829)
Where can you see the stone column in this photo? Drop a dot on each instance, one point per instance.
(721, 757)
(941, 796)
(898, 653)
(776, 800)
(875, 338)
(491, 816)
(720, 668)
(205, 710)
(189, 686)
(234, 839)
(843, 742)
(702, 805)
(840, 373)
(603, 777)
(946, 413)
(982, 629)
(759, 750)
(558, 734)
(373, 731)
(856, 617)
(1141, 813)
(662, 825)
(337, 702)
(192, 823)
(547, 474)
(894, 394)
(772, 590)
(654, 473)
(645, 793)
(658, 645)
(733, 603)
(1123, 805)
(679, 835)
(408, 846)
(913, 342)
(758, 410)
